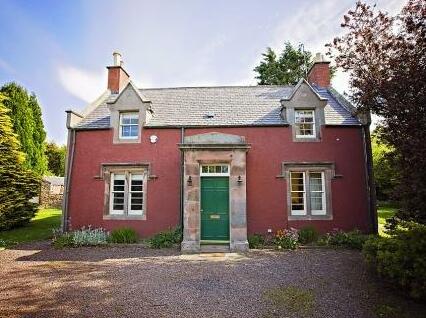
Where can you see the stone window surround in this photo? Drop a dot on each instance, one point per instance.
(106, 171)
(115, 124)
(329, 173)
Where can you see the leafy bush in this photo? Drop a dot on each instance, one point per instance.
(308, 234)
(256, 241)
(89, 236)
(166, 239)
(82, 237)
(123, 235)
(353, 239)
(286, 239)
(401, 257)
(63, 240)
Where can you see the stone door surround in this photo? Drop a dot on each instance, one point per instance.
(214, 148)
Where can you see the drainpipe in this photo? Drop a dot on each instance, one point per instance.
(72, 117)
(182, 159)
(368, 157)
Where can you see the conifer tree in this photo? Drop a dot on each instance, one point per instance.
(25, 114)
(18, 185)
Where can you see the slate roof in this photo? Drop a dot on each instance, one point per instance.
(230, 106)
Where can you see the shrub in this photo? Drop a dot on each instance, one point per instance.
(256, 241)
(124, 235)
(89, 236)
(63, 240)
(166, 239)
(286, 239)
(400, 257)
(353, 239)
(308, 234)
(82, 237)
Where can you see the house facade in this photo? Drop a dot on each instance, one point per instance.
(222, 162)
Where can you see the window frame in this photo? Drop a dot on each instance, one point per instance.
(327, 170)
(127, 212)
(215, 174)
(296, 123)
(304, 194)
(121, 125)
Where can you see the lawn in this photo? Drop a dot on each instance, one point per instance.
(384, 211)
(40, 228)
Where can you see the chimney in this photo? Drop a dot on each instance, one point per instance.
(117, 76)
(319, 74)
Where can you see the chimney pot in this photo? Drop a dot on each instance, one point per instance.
(117, 58)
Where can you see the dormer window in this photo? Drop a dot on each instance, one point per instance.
(129, 125)
(304, 121)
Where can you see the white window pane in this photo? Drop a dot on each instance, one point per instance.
(317, 194)
(137, 176)
(133, 131)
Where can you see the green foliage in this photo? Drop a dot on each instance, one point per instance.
(17, 185)
(166, 239)
(89, 237)
(64, 240)
(123, 235)
(400, 257)
(353, 239)
(286, 239)
(25, 113)
(39, 228)
(287, 69)
(83, 237)
(256, 241)
(308, 234)
(55, 158)
(385, 171)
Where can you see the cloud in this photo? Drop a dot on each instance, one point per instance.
(82, 84)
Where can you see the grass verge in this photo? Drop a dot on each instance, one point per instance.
(384, 211)
(291, 299)
(39, 228)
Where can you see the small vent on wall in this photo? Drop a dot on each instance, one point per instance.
(209, 115)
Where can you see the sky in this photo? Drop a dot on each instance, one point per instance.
(60, 49)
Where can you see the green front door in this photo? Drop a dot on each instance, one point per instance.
(214, 208)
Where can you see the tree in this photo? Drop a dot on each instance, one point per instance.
(25, 113)
(56, 158)
(386, 59)
(17, 184)
(385, 172)
(287, 69)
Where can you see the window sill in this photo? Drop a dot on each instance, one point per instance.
(127, 141)
(300, 139)
(310, 217)
(125, 217)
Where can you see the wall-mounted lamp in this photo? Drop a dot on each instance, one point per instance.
(239, 180)
(189, 182)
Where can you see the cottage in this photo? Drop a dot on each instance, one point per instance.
(223, 162)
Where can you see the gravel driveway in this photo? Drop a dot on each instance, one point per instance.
(39, 281)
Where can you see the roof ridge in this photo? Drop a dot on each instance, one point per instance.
(220, 86)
